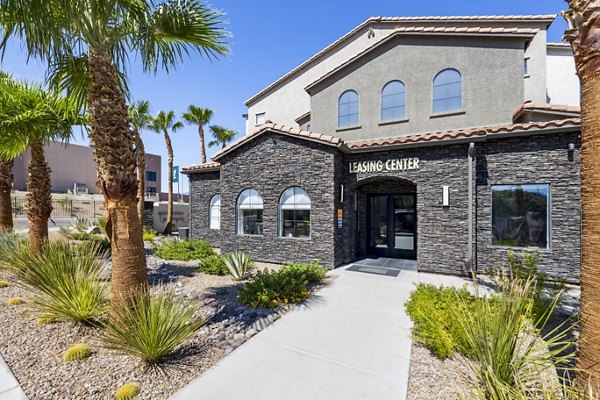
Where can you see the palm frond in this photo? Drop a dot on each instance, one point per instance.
(197, 115)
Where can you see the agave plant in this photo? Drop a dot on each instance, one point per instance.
(238, 264)
(152, 326)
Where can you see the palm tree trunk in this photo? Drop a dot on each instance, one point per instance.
(6, 220)
(202, 145)
(39, 198)
(584, 36)
(141, 172)
(169, 227)
(113, 144)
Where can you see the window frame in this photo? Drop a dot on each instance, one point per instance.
(548, 247)
(526, 61)
(349, 126)
(239, 216)
(403, 117)
(210, 213)
(148, 172)
(280, 218)
(264, 118)
(433, 99)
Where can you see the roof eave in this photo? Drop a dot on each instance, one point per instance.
(199, 170)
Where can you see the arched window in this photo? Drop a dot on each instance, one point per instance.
(447, 91)
(214, 212)
(393, 101)
(294, 213)
(348, 109)
(250, 213)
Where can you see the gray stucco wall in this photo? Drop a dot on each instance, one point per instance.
(270, 164)
(534, 160)
(492, 73)
(203, 186)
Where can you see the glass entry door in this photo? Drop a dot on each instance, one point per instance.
(392, 225)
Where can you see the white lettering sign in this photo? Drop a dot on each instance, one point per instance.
(394, 164)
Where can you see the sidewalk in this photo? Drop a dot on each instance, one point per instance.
(351, 341)
(9, 386)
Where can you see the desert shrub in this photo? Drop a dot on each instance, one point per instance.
(127, 392)
(15, 301)
(183, 250)
(149, 234)
(238, 265)
(213, 265)
(77, 352)
(288, 285)
(98, 243)
(431, 309)
(101, 223)
(64, 280)
(10, 245)
(151, 327)
(508, 355)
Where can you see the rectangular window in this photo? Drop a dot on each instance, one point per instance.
(151, 176)
(521, 215)
(150, 189)
(260, 119)
(251, 222)
(295, 223)
(526, 66)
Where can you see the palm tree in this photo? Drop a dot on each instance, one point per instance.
(222, 136)
(201, 117)
(95, 39)
(140, 116)
(6, 221)
(583, 17)
(30, 117)
(162, 123)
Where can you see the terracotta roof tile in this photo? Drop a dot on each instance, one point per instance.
(465, 29)
(536, 106)
(199, 167)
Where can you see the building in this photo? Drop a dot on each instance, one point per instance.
(73, 167)
(445, 140)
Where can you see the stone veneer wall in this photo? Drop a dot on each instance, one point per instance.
(441, 231)
(149, 214)
(270, 164)
(203, 186)
(542, 159)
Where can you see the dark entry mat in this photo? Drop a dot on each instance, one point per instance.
(374, 270)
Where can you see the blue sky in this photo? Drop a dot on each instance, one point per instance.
(269, 38)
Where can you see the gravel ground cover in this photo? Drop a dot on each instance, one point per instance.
(34, 352)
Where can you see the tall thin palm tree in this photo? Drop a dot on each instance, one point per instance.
(139, 113)
(222, 136)
(30, 117)
(6, 220)
(95, 39)
(163, 123)
(583, 17)
(199, 116)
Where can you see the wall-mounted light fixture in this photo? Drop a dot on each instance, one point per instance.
(571, 149)
(341, 193)
(445, 196)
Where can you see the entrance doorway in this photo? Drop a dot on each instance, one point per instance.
(392, 225)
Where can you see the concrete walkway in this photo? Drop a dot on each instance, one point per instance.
(351, 341)
(9, 386)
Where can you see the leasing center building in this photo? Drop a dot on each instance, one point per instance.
(448, 140)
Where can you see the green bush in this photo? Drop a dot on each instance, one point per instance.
(183, 250)
(64, 280)
(213, 265)
(238, 265)
(431, 309)
(98, 243)
(149, 234)
(288, 285)
(151, 327)
(101, 223)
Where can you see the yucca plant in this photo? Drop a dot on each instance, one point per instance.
(238, 264)
(127, 392)
(77, 352)
(152, 326)
(65, 281)
(10, 244)
(507, 353)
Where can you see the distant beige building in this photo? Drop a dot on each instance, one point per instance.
(73, 166)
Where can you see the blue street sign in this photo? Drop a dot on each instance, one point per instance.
(175, 173)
